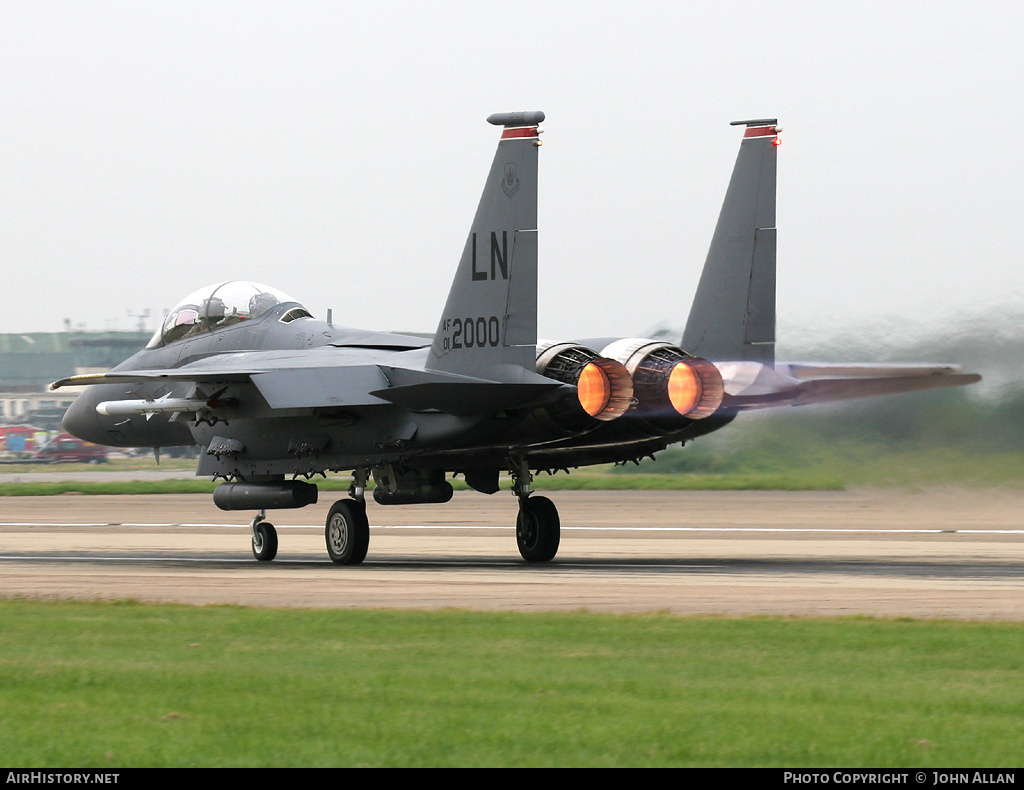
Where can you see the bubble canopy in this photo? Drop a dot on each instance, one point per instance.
(216, 307)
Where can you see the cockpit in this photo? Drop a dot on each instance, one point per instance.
(218, 306)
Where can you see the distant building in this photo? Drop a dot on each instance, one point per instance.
(30, 361)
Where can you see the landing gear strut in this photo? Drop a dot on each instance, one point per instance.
(264, 538)
(538, 529)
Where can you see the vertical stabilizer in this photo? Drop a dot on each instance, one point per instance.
(489, 325)
(733, 312)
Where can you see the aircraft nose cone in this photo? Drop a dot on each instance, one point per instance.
(81, 419)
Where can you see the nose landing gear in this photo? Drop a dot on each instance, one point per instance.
(264, 538)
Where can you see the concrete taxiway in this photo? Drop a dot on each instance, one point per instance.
(941, 553)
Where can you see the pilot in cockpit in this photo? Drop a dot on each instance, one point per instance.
(214, 313)
(217, 307)
(261, 302)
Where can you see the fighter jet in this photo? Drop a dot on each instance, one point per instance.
(276, 397)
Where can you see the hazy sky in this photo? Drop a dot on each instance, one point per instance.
(337, 150)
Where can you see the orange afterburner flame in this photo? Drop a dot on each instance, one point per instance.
(709, 390)
(670, 386)
(603, 387)
(684, 388)
(593, 389)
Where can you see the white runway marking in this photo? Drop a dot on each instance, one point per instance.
(784, 530)
(247, 561)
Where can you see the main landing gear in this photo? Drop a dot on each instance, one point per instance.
(538, 529)
(347, 531)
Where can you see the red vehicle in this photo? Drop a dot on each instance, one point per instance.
(66, 448)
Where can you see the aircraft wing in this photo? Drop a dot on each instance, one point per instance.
(217, 369)
(317, 379)
(750, 385)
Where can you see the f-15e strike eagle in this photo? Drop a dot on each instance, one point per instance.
(273, 395)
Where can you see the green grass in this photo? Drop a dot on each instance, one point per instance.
(846, 464)
(786, 480)
(716, 468)
(578, 480)
(115, 464)
(184, 486)
(119, 685)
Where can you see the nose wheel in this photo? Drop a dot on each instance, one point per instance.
(264, 538)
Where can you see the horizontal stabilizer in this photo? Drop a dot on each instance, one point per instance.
(814, 371)
(750, 385)
(829, 390)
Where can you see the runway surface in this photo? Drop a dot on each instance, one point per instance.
(946, 554)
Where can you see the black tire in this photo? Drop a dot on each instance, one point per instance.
(264, 542)
(538, 529)
(347, 532)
